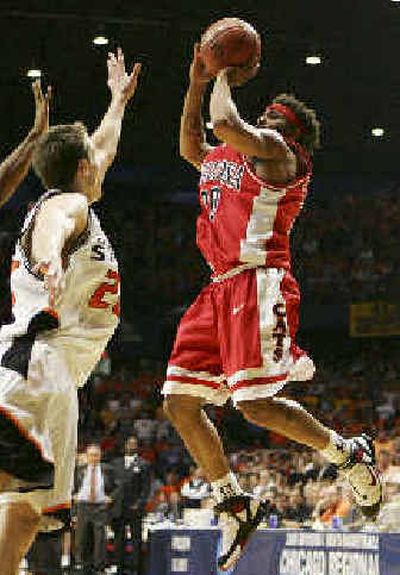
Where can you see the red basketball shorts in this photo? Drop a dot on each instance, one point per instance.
(238, 339)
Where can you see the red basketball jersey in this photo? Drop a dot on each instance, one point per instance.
(243, 219)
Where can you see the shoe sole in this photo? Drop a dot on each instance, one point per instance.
(229, 567)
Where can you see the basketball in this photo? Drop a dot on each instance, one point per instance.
(230, 42)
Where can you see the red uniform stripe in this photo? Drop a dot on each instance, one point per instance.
(185, 379)
(258, 381)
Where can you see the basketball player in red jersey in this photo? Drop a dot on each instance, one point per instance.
(16, 166)
(237, 340)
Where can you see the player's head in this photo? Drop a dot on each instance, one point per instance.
(64, 159)
(292, 118)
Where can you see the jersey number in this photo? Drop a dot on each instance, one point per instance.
(97, 301)
(211, 199)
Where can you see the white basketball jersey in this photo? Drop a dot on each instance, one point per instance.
(87, 307)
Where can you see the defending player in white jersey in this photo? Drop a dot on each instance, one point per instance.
(237, 340)
(65, 288)
(14, 168)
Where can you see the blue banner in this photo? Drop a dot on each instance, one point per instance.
(278, 552)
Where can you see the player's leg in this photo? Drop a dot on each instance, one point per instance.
(288, 418)
(194, 378)
(19, 524)
(198, 433)
(253, 392)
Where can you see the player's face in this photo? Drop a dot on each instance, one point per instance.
(272, 120)
(89, 175)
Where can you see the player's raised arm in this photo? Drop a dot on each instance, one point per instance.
(60, 219)
(193, 146)
(230, 128)
(16, 166)
(122, 87)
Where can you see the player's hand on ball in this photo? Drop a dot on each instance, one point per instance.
(198, 72)
(122, 85)
(239, 75)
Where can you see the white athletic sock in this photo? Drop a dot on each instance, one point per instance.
(226, 487)
(338, 449)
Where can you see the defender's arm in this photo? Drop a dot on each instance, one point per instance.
(16, 166)
(60, 219)
(122, 86)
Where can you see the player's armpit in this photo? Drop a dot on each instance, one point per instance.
(251, 141)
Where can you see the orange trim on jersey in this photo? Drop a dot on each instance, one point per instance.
(258, 381)
(55, 508)
(189, 380)
(23, 431)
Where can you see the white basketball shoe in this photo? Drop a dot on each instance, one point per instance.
(239, 517)
(363, 475)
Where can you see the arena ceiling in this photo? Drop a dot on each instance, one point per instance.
(355, 88)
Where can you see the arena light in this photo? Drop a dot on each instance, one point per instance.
(100, 40)
(313, 60)
(378, 132)
(34, 73)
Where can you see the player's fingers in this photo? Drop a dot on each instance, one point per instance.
(36, 91)
(49, 93)
(136, 70)
(120, 55)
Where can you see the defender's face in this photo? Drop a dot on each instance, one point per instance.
(89, 175)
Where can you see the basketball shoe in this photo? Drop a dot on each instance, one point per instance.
(363, 475)
(239, 516)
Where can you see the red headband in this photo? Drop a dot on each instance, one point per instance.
(288, 113)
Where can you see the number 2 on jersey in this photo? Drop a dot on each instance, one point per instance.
(97, 299)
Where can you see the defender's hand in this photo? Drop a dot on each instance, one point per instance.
(52, 272)
(42, 106)
(198, 73)
(122, 85)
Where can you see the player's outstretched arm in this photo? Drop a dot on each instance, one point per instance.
(122, 87)
(193, 146)
(60, 219)
(16, 166)
(230, 128)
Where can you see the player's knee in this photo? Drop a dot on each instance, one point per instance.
(181, 408)
(257, 410)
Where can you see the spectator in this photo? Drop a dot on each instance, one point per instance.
(133, 475)
(95, 489)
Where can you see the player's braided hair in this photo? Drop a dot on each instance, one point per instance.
(57, 154)
(310, 137)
